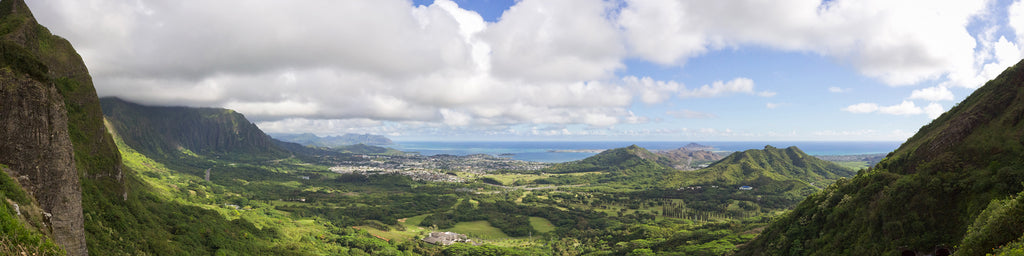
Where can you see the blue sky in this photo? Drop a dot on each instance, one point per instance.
(736, 70)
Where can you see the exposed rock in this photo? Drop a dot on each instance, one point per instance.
(36, 145)
(50, 124)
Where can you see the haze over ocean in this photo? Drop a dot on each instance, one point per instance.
(555, 151)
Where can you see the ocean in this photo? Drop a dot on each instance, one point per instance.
(565, 151)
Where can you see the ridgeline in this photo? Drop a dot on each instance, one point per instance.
(952, 186)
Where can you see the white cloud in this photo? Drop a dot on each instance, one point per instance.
(771, 105)
(719, 88)
(900, 42)
(543, 62)
(835, 89)
(556, 41)
(904, 108)
(651, 91)
(690, 114)
(937, 93)
(934, 110)
(861, 108)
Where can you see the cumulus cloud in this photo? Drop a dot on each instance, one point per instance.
(651, 91)
(690, 114)
(899, 42)
(937, 93)
(933, 110)
(568, 40)
(324, 64)
(719, 88)
(543, 62)
(861, 108)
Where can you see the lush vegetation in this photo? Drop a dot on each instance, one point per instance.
(617, 202)
(20, 226)
(947, 186)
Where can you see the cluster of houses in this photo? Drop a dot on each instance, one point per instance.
(431, 168)
(415, 174)
(446, 238)
(712, 186)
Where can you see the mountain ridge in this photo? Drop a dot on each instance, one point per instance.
(54, 139)
(309, 139)
(174, 132)
(923, 196)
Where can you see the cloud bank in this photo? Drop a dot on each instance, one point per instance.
(335, 65)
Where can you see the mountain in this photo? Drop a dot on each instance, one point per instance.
(943, 188)
(310, 139)
(686, 158)
(773, 164)
(773, 178)
(53, 140)
(63, 185)
(630, 158)
(174, 132)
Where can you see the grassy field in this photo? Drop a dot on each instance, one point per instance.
(855, 165)
(508, 179)
(478, 229)
(542, 225)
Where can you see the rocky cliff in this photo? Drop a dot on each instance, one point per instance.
(53, 138)
(36, 142)
(171, 132)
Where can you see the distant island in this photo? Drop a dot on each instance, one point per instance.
(309, 139)
(695, 146)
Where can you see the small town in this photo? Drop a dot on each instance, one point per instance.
(437, 168)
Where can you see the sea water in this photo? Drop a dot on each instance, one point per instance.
(565, 151)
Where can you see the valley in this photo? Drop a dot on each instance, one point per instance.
(379, 201)
(87, 175)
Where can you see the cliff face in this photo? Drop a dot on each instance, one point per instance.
(38, 150)
(34, 129)
(51, 127)
(170, 131)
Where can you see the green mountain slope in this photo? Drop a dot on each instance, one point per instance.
(776, 179)
(625, 159)
(62, 163)
(925, 194)
(53, 133)
(176, 132)
(763, 167)
(687, 158)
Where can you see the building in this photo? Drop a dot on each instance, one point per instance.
(446, 238)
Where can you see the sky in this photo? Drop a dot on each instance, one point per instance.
(641, 70)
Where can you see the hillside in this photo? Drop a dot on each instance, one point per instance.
(612, 160)
(347, 139)
(923, 197)
(54, 143)
(174, 132)
(772, 164)
(774, 178)
(689, 157)
(64, 173)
